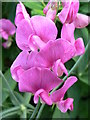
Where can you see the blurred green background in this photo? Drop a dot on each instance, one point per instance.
(80, 91)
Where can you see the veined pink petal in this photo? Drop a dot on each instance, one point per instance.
(6, 28)
(21, 13)
(81, 20)
(54, 50)
(24, 30)
(59, 68)
(64, 105)
(51, 14)
(59, 94)
(37, 78)
(67, 32)
(79, 45)
(44, 28)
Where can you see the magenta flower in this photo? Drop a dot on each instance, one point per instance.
(67, 33)
(39, 82)
(6, 28)
(21, 14)
(69, 14)
(58, 96)
(34, 34)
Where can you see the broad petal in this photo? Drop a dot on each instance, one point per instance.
(79, 45)
(59, 94)
(67, 32)
(6, 28)
(64, 105)
(46, 80)
(44, 28)
(21, 14)
(25, 61)
(81, 20)
(54, 50)
(24, 30)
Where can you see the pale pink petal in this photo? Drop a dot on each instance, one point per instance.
(6, 28)
(35, 43)
(79, 45)
(21, 13)
(34, 79)
(45, 10)
(51, 14)
(59, 68)
(24, 30)
(7, 44)
(64, 105)
(44, 28)
(59, 94)
(81, 20)
(67, 32)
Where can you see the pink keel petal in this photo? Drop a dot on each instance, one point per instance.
(59, 94)
(43, 95)
(81, 20)
(64, 105)
(79, 45)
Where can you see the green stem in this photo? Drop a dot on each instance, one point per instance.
(40, 111)
(6, 112)
(35, 111)
(9, 88)
(42, 3)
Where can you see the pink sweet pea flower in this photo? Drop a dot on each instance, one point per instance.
(67, 33)
(58, 96)
(51, 9)
(39, 82)
(69, 11)
(69, 14)
(21, 14)
(6, 28)
(34, 35)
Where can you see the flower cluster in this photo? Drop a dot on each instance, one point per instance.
(40, 64)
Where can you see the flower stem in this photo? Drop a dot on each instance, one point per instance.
(35, 111)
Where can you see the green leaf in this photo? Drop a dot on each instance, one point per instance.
(58, 114)
(35, 12)
(11, 82)
(84, 8)
(34, 5)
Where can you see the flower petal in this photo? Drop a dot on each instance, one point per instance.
(37, 78)
(67, 32)
(59, 94)
(51, 14)
(81, 20)
(24, 30)
(64, 105)
(21, 14)
(44, 28)
(79, 45)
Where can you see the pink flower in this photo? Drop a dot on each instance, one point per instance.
(51, 9)
(34, 35)
(21, 14)
(39, 82)
(58, 96)
(67, 33)
(6, 28)
(69, 14)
